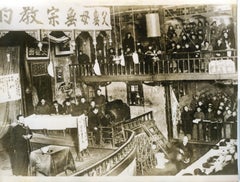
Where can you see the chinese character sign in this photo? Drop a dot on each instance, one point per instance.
(82, 132)
(54, 17)
(10, 89)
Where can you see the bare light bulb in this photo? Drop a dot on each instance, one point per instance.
(40, 45)
(8, 57)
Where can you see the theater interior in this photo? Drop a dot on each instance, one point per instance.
(112, 90)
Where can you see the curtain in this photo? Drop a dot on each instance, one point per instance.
(9, 64)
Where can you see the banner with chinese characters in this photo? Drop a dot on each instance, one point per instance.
(10, 88)
(82, 132)
(61, 16)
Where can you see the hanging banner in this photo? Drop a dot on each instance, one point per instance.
(82, 132)
(10, 89)
(221, 67)
(62, 16)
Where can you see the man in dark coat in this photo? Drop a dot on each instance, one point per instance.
(94, 123)
(184, 154)
(187, 118)
(56, 108)
(100, 101)
(20, 136)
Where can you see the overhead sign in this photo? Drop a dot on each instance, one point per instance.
(54, 17)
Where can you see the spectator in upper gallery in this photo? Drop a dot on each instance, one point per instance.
(218, 48)
(170, 32)
(56, 108)
(110, 55)
(184, 40)
(42, 107)
(128, 44)
(83, 58)
(207, 31)
(100, 100)
(178, 30)
(213, 33)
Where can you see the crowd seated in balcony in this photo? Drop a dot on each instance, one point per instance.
(210, 117)
(200, 37)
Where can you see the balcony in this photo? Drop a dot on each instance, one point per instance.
(178, 66)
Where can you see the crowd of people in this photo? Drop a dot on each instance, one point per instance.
(207, 115)
(194, 39)
(200, 36)
(95, 110)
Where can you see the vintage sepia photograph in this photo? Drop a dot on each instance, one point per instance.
(119, 90)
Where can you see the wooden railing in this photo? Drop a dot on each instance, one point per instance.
(105, 166)
(136, 122)
(210, 131)
(168, 63)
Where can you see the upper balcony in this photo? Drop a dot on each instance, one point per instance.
(214, 65)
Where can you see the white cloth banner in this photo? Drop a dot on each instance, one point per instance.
(54, 16)
(96, 68)
(10, 88)
(122, 60)
(135, 58)
(221, 67)
(82, 132)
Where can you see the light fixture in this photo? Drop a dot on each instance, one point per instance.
(153, 25)
(40, 45)
(8, 57)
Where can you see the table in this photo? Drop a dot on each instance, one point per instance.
(222, 159)
(58, 159)
(51, 122)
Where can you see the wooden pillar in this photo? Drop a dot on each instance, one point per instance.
(168, 110)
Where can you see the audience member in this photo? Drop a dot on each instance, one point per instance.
(42, 107)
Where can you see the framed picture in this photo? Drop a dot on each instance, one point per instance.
(33, 52)
(63, 49)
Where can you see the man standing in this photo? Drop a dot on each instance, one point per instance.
(100, 101)
(20, 136)
(183, 154)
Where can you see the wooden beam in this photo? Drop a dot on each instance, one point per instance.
(159, 77)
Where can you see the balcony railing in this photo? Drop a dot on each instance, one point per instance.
(105, 166)
(193, 62)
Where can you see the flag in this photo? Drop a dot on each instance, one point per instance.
(135, 58)
(122, 60)
(96, 68)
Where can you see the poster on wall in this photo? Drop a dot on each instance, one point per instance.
(10, 89)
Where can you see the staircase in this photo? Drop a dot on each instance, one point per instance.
(156, 136)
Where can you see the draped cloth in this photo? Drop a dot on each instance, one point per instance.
(135, 58)
(9, 110)
(96, 68)
(56, 160)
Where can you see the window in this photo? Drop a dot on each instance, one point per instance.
(135, 94)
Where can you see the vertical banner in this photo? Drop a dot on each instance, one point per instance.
(175, 113)
(82, 132)
(10, 88)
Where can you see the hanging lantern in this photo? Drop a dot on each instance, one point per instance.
(153, 25)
